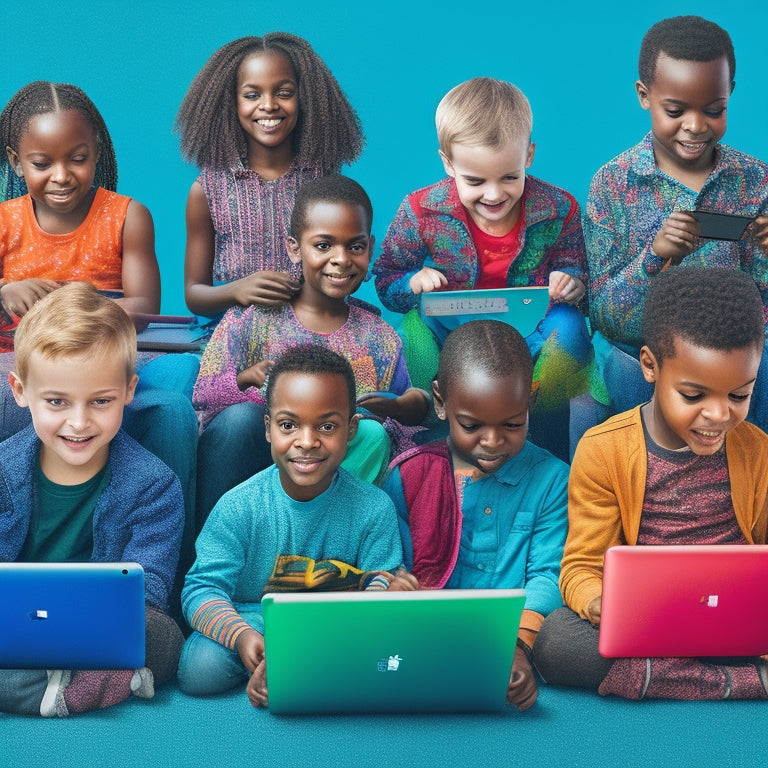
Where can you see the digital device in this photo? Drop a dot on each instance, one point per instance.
(422, 651)
(171, 333)
(715, 225)
(684, 600)
(522, 308)
(72, 616)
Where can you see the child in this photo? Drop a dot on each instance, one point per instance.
(485, 509)
(75, 487)
(69, 226)
(282, 526)
(489, 225)
(331, 241)
(638, 220)
(262, 117)
(72, 225)
(681, 469)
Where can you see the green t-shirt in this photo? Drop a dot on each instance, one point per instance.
(61, 526)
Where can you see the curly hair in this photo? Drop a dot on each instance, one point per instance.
(314, 360)
(490, 346)
(328, 189)
(708, 307)
(686, 38)
(328, 131)
(41, 98)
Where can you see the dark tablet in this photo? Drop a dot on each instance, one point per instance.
(722, 226)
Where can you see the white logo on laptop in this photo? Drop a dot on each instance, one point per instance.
(709, 600)
(392, 664)
(39, 615)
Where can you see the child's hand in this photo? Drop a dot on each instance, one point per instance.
(563, 287)
(268, 289)
(410, 408)
(404, 582)
(758, 231)
(594, 609)
(255, 376)
(678, 236)
(522, 691)
(250, 647)
(20, 296)
(427, 280)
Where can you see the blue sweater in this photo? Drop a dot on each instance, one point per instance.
(139, 516)
(252, 524)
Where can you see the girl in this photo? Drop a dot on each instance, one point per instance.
(71, 224)
(261, 118)
(331, 242)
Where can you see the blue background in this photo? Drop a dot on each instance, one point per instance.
(576, 62)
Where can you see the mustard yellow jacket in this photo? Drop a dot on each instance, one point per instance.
(606, 490)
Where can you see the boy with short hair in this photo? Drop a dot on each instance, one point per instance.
(485, 509)
(302, 523)
(685, 468)
(638, 218)
(75, 487)
(491, 225)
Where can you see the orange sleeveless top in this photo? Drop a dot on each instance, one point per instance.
(92, 253)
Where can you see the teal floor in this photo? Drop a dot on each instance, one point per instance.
(565, 728)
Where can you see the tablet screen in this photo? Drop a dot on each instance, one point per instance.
(722, 226)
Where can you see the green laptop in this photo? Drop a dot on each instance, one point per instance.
(425, 651)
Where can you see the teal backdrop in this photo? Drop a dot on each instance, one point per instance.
(575, 61)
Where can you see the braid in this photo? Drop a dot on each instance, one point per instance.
(40, 98)
(328, 131)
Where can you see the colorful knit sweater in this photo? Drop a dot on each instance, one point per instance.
(247, 335)
(430, 230)
(629, 200)
(250, 219)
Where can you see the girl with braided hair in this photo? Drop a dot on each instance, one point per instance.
(70, 224)
(261, 118)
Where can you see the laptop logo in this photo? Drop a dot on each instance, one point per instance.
(39, 615)
(392, 664)
(709, 600)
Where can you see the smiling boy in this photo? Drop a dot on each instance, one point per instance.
(638, 218)
(684, 468)
(75, 487)
(304, 519)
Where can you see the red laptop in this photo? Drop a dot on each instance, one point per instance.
(695, 600)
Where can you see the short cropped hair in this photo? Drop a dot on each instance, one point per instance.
(686, 38)
(483, 112)
(707, 307)
(313, 359)
(75, 320)
(328, 189)
(490, 346)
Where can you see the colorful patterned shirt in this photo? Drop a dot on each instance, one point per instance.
(247, 335)
(431, 229)
(250, 219)
(629, 200)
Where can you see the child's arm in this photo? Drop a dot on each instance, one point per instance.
(140, 272)
(677, 238)
(229, 351)
(522, 691)
(403, 256)
(265, 288)
(19, 296)
(250, 648)
(410, 408)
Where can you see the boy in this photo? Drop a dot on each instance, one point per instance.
(638, 220)
(682, 469)
(485, 509)
(490, 225)
(331, 240)
(75, 487)
(280, 529)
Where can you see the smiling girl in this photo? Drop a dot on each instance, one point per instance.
(261, 118)
(71, 224)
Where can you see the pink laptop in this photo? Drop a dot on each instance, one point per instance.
(695, 600)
